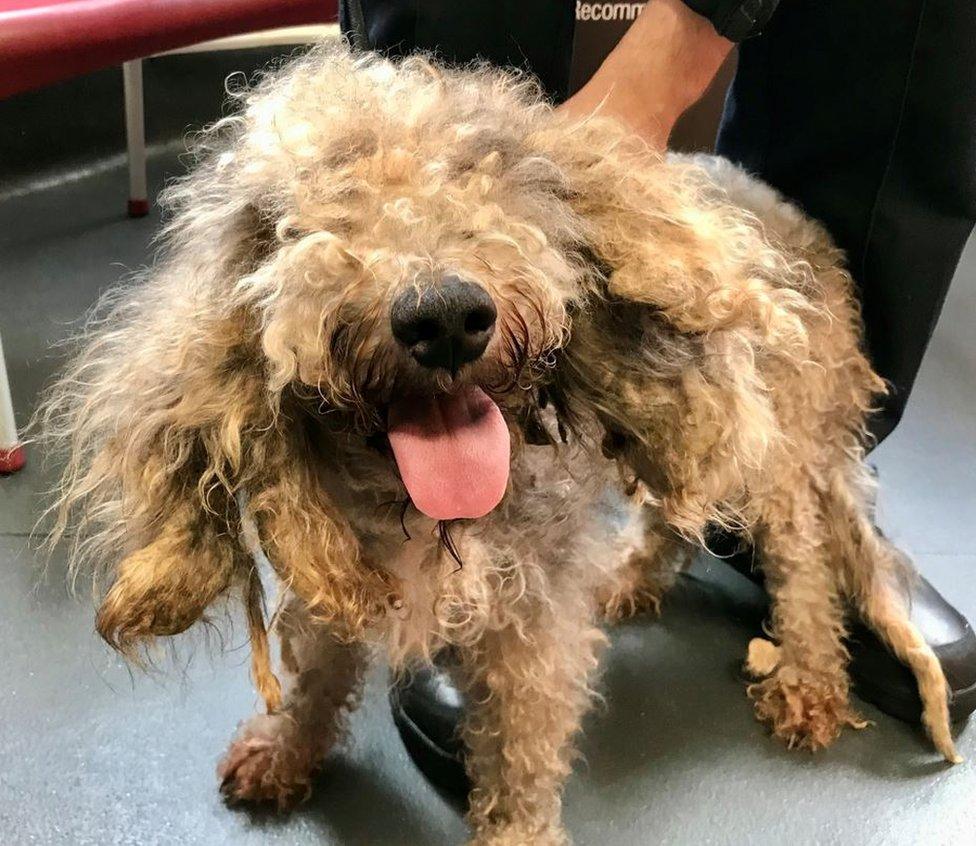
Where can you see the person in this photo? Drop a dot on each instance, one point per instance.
(863, 112)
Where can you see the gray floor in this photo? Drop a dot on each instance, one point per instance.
(92, 754)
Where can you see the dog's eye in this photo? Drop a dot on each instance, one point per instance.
(592, 259)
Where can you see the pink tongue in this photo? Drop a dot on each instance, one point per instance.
(453, 452)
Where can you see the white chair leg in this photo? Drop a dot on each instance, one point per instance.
(12, 457)
(135, 137)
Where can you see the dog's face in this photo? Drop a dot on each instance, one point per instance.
(421, 264)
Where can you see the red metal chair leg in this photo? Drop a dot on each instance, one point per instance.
(12, 454)
(135, 137)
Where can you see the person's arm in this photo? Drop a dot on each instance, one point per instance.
(661, 66)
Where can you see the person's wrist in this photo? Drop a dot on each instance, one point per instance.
(646, 95)
(671, 53)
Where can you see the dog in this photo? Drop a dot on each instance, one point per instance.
(475, 376)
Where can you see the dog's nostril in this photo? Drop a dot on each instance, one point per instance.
(479, 319)
(447, 325)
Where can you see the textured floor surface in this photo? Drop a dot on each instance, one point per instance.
(94, 755)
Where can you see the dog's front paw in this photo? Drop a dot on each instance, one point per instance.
(639, 590)
(804, 710)
(624, 604)
(267, 764)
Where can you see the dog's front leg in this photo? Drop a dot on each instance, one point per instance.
(528, 690)
(273, 756)
(804, 695)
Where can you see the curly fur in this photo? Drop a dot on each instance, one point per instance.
(673, 308)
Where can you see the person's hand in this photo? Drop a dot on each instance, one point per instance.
(661, 66)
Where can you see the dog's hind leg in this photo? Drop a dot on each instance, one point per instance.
(273, 756)
(528, 688)
(878, 580)
(804, 697)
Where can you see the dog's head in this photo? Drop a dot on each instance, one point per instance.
(364, 249)
(415, 261)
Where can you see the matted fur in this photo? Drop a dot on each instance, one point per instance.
(674, 309)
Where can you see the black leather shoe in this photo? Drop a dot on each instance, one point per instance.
(427, 710)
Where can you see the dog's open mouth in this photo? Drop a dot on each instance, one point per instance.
(453, 452)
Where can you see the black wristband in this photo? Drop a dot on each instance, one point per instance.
(735, 19)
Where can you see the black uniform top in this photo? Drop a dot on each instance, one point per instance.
(532, 34)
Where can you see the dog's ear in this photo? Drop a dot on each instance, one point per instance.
(686, 413)
(690, 293)
(159, 419)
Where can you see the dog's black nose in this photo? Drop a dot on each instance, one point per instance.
(446, 325)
